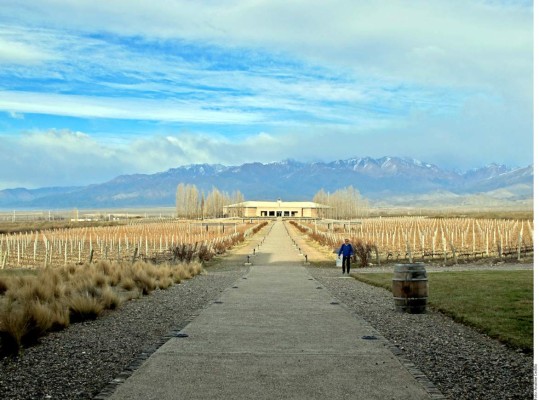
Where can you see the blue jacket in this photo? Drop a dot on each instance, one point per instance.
(346, 250)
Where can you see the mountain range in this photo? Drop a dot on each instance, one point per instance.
(386, 180)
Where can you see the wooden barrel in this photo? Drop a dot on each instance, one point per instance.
(410, 288)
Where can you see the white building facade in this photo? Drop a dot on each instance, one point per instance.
(271, 209)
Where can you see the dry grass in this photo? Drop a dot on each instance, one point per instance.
(4, 284)
(44, 317)
(83, 307)
(33, 304)
(14, 323)
(127, 283)
(144, 281)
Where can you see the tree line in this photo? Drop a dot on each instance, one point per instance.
(344, 203)
(193, 203)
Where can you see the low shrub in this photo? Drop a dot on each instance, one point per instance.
(14, 324)
(165, 283)
(362, 251)
(31, 305)
(110, 299)
(43, 317)
(127, 283)
(4, 284)
(144, 281)
(259, 226)
(84, 306)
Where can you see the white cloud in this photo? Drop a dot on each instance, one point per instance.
(481, 45)
(53, 158)
(18, 52)
(363, 34)
(68, 158)
(435, 80)
(120, 108)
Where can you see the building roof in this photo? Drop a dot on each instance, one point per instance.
(280, 204)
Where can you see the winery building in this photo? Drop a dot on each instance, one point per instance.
(298, 209)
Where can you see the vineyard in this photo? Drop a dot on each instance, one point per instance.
(157, 240)
(411, 239)
(74, 274)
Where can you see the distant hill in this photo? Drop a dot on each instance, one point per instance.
(389, 180)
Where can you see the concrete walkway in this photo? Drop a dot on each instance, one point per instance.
(277, 334)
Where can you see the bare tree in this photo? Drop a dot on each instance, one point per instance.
(215, 201)
(180, 200)
(191, 203)
(187, 201)
(322, 197)
(237, 198)
(344, 203)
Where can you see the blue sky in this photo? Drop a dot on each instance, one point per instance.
(93, 89)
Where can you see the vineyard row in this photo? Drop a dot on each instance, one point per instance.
(417, 238)
(172, 239)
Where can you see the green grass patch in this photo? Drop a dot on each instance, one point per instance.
(498, 303)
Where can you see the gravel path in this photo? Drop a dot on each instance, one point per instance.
(78, 362)
(462, 363)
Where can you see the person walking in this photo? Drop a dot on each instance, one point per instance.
(347, 251)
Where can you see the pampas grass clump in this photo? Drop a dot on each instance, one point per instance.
(14, 324)
(4, 284)
(110, 299)
(144, 280)
(127, 283)
(84, 306)
(43, 317)
(165, 283)
(31, 305)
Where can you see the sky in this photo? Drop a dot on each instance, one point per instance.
(90, 90)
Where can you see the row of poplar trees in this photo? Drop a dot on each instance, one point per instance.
(192, 203)
(344, 203)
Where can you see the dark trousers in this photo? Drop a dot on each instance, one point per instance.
(346, 262)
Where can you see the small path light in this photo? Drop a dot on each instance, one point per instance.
(369, 337)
